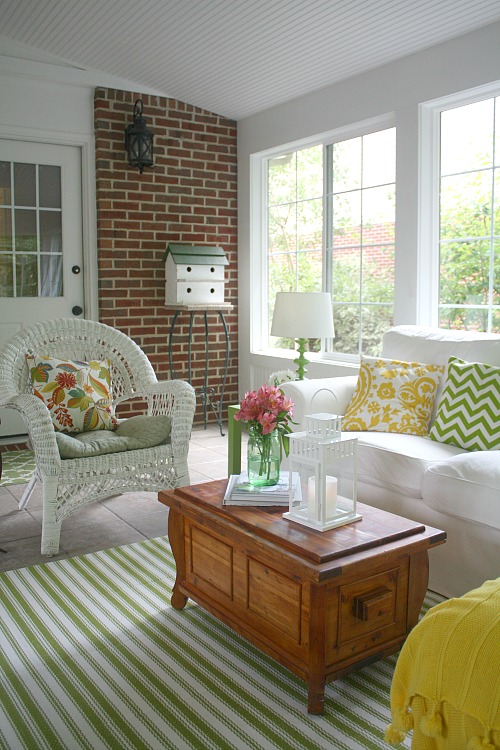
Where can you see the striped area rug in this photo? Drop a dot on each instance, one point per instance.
(92, 656)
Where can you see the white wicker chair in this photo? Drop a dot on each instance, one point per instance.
(72, 483)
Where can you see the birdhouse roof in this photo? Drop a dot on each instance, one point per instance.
(206, 255)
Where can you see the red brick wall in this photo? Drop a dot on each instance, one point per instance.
(189, 195)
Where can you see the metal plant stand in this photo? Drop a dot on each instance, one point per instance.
(207, 394)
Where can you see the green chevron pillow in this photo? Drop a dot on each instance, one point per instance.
(468, 414)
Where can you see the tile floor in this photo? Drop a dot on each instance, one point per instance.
(107, 523)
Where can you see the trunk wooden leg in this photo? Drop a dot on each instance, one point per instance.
(316, 684)
(176, 539)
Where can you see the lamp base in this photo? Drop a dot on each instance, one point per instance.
(301, 361)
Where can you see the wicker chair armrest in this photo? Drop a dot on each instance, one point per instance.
(40, 429)
(175, 399)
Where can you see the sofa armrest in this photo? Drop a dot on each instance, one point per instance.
(330, 395)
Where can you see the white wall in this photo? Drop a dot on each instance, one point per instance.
(54, 103)
(460, 64)
(41, 109)
(37, 107)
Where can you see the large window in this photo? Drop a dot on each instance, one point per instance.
(469, 217)
(330, 227)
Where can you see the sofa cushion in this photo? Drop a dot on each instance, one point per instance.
(420, 344)
(467, 486)
(393, 396)
(468, 414)
(134, 433)
(398, 462)
(437, 345)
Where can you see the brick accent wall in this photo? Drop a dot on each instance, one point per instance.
(189, 195)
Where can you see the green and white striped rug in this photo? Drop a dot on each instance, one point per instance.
(92, 656)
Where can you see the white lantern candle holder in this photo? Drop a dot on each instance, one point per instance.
(323, 474)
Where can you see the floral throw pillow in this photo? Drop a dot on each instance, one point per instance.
(77, 394)
(393, 396)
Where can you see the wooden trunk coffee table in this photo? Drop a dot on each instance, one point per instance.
(320, 603)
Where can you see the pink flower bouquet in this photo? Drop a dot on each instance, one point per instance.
(266, 410)
(267, 413)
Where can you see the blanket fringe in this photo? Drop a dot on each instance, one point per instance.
(480, 743)
(432, 723)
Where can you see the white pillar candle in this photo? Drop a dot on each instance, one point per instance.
(331, 496)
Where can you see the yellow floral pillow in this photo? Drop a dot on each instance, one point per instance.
(77, 394)
(393, 396)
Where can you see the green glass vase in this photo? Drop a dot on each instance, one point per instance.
(264, 458)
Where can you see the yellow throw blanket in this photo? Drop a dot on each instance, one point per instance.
(450, 663)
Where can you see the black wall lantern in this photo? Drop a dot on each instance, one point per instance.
(139, 141)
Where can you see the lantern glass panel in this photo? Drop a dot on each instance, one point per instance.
(324, 492)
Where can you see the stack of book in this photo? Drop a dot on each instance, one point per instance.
(240, 492)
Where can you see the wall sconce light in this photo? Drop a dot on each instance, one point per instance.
(139, 140)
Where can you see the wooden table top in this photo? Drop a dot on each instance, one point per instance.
(374, 529)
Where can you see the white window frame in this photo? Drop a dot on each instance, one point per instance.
(429, 172)
(258, 230)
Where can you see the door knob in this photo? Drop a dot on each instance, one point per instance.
(77, 310)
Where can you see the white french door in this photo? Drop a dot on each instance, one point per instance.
(41, 257)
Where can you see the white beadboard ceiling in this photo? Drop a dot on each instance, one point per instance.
(232, 57)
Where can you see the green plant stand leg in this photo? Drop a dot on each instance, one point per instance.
(234, 430)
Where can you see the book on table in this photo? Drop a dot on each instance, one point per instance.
(239, 491)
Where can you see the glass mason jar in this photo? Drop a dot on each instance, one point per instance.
(264, 458)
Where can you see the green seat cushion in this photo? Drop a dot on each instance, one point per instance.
(131, 434)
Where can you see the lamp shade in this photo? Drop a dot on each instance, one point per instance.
(303, 315)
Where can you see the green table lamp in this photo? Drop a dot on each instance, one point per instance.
(302, 316)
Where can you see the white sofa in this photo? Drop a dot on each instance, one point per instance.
(434, 483)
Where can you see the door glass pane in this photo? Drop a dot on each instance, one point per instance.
(6, 276)
(51, 276)
(5, 183)
(49, 186)
(25, 184)
(26, 275)
(37, 242)
(50, 232)
(5, 229)
(25, 231)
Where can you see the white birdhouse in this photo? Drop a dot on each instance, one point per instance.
(323, 474)
(194, 274)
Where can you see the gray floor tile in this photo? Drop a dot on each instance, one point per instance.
(18, 524)
(78, 541)
(23, 552)
(152, 524)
